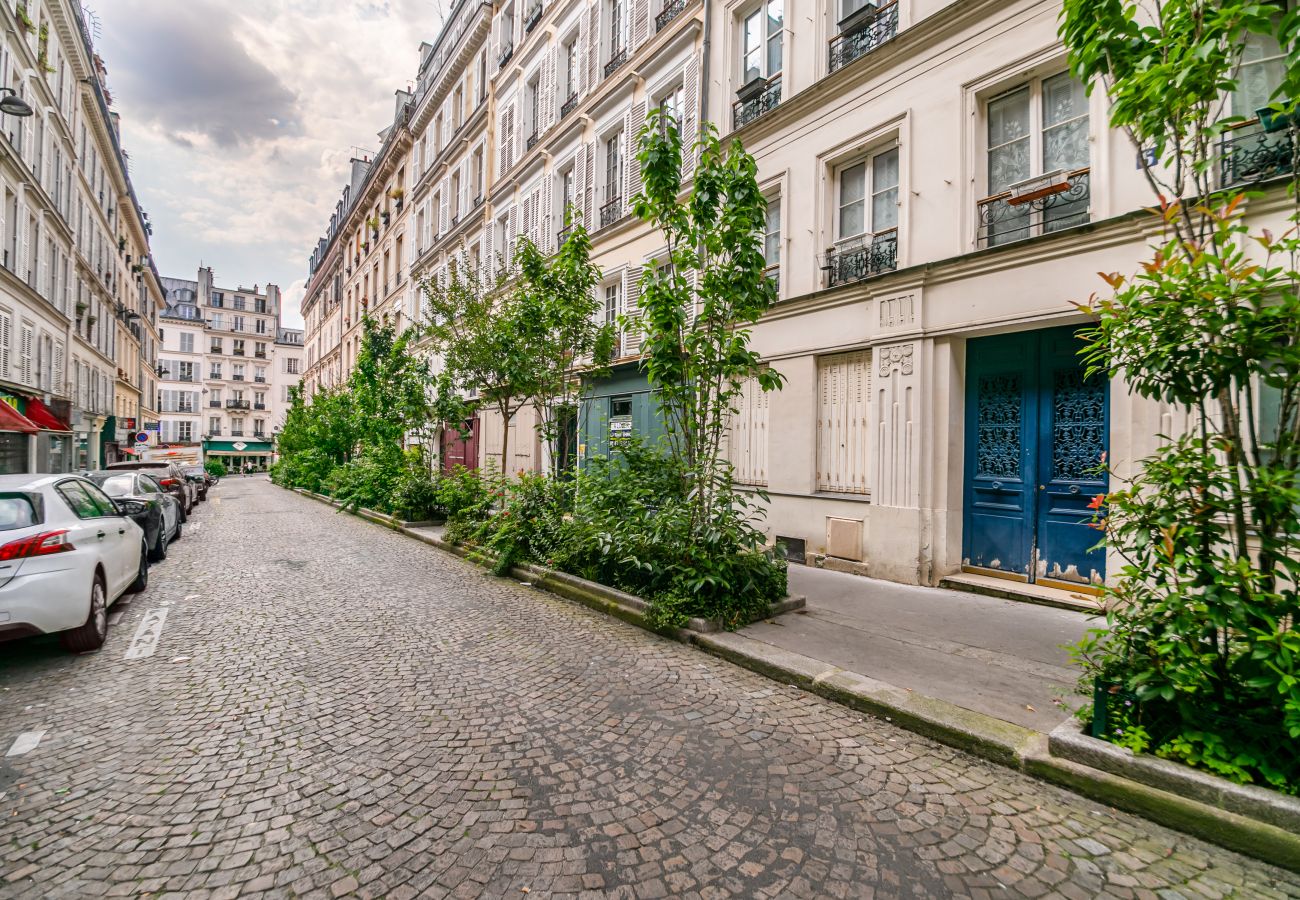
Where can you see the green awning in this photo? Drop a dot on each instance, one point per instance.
(248, 448)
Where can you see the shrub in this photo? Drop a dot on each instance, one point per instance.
(467, 500)
(216, 468)
(531, 523)
(415, 494)
(369, 480)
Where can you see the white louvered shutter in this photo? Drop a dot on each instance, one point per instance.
(637, 119)
(843, 435)
(547, 226)
(443, 188)
(691, 114)
(593, 46)
(6, 341)
(59, 372)
(25, 351)
(580, 185)
(632, 310)
(640, 22)
(747, 435)
(23, 241)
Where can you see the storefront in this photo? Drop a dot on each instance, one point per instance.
(240, 456)
(17, 441)
(46, 437)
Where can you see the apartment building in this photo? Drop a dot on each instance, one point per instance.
(941, 193)
(288, 365)
(218, 369)
(70, 235)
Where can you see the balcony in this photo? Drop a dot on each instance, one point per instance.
(260, 379)
(563, 235)
(260, 355)
(672, 9)
(863, 36)
(216, 348)
(215, 376)
(569, 105)
(611, 212)
(532, 17)
(236, 432)
(1006, 217)
(765, 97)
(1255, 156)
(236, 404)
(506, 52)
(532, 140)
(236, 377)
(215, 404)
(616, 62)
(259, 406)
(260, 435)
(236, 352)
(862, 258)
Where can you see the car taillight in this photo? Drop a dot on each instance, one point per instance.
(169, 482)
(37, 545)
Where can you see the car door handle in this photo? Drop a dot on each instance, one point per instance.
(101, 535)
(121, 531)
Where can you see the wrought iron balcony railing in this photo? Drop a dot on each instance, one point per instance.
(236, 404)
(615, 61)
(672, 8)
(569, 105)
(745, 111)
(1003, 219)
(1255, 156)
(857, 43)
(533, 16)
(260, 379)
(611, 212)
(215, 403)
(563, 235)
(862, 258)
(506, 52)
(236, 432)
(532, 140)
(259, 406)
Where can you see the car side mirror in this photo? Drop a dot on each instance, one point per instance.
(132, 507)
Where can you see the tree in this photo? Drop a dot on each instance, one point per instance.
(559, 308)
(388, 387)
(697, 305)
(481, 330)
(1202, 618)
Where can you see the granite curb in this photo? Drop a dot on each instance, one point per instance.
(1252, 821)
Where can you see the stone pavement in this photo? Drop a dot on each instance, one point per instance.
(334, 709)
(1003, 658)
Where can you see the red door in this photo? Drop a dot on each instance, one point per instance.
(460, 449)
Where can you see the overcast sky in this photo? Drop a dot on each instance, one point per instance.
(240, 117)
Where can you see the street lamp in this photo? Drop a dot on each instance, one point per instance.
(12, 104)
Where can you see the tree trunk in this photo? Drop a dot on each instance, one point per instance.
(505, 437)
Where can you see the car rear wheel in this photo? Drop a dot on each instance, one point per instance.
(142, 575)
(159, 552)
(90, 634)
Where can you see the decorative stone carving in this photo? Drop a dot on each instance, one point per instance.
(897, 357)
(897, 312)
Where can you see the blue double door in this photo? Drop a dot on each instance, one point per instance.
(1036, 431)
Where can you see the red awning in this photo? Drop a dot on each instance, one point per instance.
(12, 420)
(44, 418)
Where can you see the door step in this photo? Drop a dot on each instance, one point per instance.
(1021, 591)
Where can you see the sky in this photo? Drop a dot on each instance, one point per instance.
(239, 118)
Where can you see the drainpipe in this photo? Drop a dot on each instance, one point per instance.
(704, 63)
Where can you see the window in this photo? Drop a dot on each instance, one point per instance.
(214, 425)
(185, 431)
(761, 37)
(671, 106)
(238, 349)
(217, 345)
(291, 365)
(239, 302)
(570, 69)
(612, 209)
(772, 238)
(187, 343)
(237, 323)
(80, 500)
(843, 437)
(868, 196)
(1037, 130)
(616, 25)
(613, 311)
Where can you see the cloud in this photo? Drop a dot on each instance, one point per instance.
(241, 116)
(192, 76)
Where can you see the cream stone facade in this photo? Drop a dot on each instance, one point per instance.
(935, 180)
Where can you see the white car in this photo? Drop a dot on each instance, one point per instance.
(67, 552)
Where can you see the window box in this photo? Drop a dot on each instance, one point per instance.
(1038, 187)
(533, 16)
(506, 52)
(1003, 221)
(869, 34)
(860, 18)
(752, 90)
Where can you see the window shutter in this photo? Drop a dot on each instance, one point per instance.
(640, 22)
(489, 261)
(25, 349)
(443, 188)
(58, 360)
(843, 434)
(691, 114)
(631, 341)
(546, 225)
(580, 186)
(6, 341)
(22, 244)
(593, 46)
(633, 168)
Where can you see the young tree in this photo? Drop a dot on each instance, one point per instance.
(480, 328)
(697, 306)
(557, 296)
(1202, 619)
(388, 386)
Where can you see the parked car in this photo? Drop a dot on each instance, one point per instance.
(169, 475)
(199, 478)
(160, 519)
(69, 552)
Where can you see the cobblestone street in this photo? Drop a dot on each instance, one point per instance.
(334, 709)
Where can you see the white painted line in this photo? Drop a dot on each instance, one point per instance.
(25, 743)
(191, 596)
(147, 635)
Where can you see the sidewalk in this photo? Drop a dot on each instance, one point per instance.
(1002, 658)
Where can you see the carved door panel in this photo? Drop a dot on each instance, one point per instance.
(1036, 430)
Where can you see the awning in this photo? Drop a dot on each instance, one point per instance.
(12, 420)
(44, 417)
(247, 448)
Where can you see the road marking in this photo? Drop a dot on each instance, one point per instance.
(25, 743)
(147, 635)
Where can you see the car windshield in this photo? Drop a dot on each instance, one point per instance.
(16, 512)
(119, 485)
